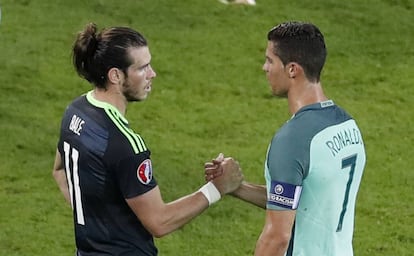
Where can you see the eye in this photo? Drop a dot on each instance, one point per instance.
(269, 60)
(145, 68)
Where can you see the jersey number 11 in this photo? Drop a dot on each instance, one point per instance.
(72, 156)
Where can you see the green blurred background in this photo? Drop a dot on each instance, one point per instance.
(210, 95)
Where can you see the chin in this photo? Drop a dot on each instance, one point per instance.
(137, 98)
(280, 94)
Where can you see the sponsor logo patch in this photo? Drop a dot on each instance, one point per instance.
(144, 172)
(284, 195)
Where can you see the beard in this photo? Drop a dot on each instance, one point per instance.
(133, 93)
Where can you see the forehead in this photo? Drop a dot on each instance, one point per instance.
(269, 50)
(139, 55)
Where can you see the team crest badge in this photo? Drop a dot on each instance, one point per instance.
(144, 172)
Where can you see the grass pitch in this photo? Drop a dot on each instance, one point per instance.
(210, 96)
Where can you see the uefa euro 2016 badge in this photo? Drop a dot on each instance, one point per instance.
(144, 172)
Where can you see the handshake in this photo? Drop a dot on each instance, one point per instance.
(223, 176)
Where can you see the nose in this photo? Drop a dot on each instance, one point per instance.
(264, 67)
(151, 73)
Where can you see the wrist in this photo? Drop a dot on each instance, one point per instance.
(210, 191)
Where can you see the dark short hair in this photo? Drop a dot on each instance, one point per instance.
(94, 54)
(302, 43)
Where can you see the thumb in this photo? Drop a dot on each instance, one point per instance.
(218, 159)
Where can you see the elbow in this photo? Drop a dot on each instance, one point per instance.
(55, 174)
(283, 240)
(159, 231)
(158, 234)
(158, 228)
(275, 243)
(162, 228)
(284, 243)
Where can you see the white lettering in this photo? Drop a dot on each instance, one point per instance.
(76, 124)
(280, 199)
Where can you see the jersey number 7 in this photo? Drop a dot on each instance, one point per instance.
(347, 162)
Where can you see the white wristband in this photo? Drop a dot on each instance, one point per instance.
(210, 191)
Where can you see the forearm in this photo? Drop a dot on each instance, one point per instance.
(252, 193)
(161, 218)
(181, 211)
(60, 178)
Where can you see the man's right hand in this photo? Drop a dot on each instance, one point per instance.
(224, 173)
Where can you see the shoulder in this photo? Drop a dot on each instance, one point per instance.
(124, 136)
(310, 120)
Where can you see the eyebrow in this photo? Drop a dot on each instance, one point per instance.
(139, 65)
(144, 66)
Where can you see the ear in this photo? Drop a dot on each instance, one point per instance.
(293, 69)
(115, 75)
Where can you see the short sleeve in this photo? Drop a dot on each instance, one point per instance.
(286, 167)
(134, 175)
(288, 159)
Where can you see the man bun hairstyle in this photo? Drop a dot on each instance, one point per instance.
(94, 54)
(84, 50)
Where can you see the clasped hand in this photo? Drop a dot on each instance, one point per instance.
(224, 172)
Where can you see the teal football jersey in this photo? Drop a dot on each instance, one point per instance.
(314, 165)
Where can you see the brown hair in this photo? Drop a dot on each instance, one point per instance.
(94, 54)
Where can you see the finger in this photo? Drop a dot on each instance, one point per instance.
(208, 178)
(213, 171)
(216, 162)
(212, 168)
(227, 162)
(209, 165)
(211, 176)
(219, 159)
(210, 172)
(218, 171)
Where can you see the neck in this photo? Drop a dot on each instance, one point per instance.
(114, 98)
(303, 95)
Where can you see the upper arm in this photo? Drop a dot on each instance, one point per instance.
(58, 170)
(58, 165)
(148, 207)
(288, 157)
(143, 196)
(276, 233)
(279, 223)
(60, 176)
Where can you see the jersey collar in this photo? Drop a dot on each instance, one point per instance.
(319, 105)
(104, 105)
